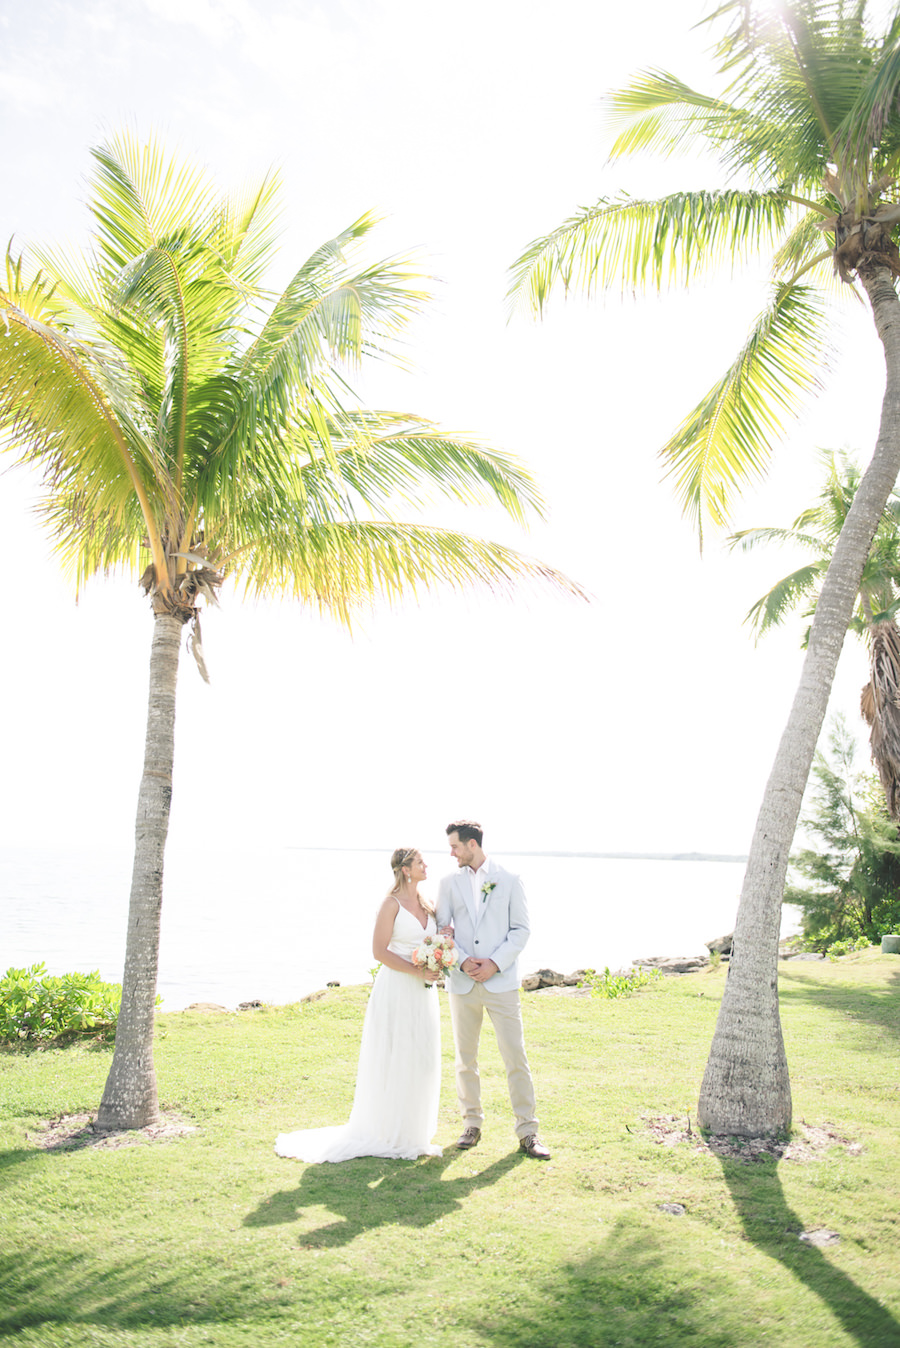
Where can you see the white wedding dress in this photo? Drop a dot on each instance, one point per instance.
(398, 1080)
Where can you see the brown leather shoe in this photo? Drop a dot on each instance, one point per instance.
(470, 1138)
(533, 1146)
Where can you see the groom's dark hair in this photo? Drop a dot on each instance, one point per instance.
(466, 830)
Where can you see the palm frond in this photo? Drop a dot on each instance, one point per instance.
(91, 539)
(801, 248)
(888, 613)
(327, 316)
(171, 252)
(780, 129)
(748, 539)
(885, 706)
(823, 48)
(383, 457)
(818, 529)
(181, 293)
(341, 567)
(82, 305)
(246, 234)
(657, 112)
(328, 309)
(727, 439)
(378, 464)
(807, 64)
(872, 121)
(771, 610)
(141, 195)
(640, 245)
(58, 410)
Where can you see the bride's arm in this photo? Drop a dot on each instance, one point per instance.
(384, 927)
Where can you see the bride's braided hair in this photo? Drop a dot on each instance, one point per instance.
(405, 856)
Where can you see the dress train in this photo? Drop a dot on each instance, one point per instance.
(398, 1080)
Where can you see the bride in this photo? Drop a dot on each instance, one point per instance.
(398, 1080)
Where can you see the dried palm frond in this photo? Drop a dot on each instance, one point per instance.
(880, 706)
(200, 583)
(195, 642)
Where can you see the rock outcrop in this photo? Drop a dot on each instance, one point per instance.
(549, 978)
(721, 945)
(674, 964)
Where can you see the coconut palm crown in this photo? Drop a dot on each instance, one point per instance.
(190, 426)
(816, 531)
(807, 140)
(806, 135)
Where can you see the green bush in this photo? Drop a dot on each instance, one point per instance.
(848, 882)
(838, 948)
(36, 1006)
(617, 985)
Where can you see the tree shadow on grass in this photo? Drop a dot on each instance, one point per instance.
(119, 1291)
(632, 1293)
(774, 1228)
(370, 1192)
(880, 1006)
(639, 1289)
(16, 1155)
(138, 1292)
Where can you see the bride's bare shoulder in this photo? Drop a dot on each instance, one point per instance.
(384, 918)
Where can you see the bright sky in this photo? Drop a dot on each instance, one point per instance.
(645, 721)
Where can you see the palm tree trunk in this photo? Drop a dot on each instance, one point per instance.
(746, 1088)
(129, 1098)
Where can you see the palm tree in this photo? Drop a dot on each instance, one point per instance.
(807, 136)
(818, 530)
(190, 427)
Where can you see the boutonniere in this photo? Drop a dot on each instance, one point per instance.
(487, 889)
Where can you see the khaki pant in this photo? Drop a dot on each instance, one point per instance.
(467, 1013)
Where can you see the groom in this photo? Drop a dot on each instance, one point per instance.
(486, 907)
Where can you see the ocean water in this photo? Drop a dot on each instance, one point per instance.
(279, 924)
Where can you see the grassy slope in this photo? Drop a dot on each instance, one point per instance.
(211, 1239)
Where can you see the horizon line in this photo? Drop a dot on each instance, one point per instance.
(596, 856)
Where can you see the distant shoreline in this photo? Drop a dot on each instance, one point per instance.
(594, 856)
(638, 856)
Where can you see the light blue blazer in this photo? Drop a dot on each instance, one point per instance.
(494, 928)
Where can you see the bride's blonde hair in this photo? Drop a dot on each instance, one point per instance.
(405, 856)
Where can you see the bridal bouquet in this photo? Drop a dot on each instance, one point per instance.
(437, 953)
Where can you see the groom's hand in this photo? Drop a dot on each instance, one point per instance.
(486, 969)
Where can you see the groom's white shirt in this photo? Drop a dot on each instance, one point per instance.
(493, 926)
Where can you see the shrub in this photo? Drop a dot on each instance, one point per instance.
(38, 1007)
(838, 948)
(617, 985)
(852, 872)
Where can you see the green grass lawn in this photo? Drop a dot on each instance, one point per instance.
(209, 1238)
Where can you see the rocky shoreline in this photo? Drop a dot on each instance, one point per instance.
(551, 981)
(670, 965)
